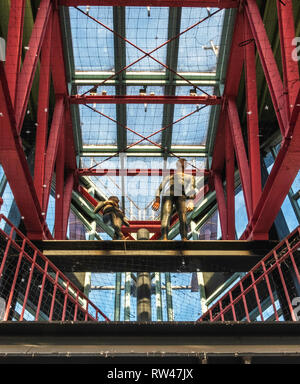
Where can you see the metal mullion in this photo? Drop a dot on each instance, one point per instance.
(170, 89)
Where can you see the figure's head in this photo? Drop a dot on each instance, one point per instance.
(181, 164)
(114, 198)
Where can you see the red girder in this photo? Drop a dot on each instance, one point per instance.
(29, 66)
(154, 3)
(14, 163)
(14, 45)
(284, 171)
(132, 99)
(268, 62)
(289, 66)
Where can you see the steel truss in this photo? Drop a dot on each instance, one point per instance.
(56, 155)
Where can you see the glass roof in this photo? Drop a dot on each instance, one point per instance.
(177, 67)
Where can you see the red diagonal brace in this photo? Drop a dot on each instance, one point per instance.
(268, 63)
(54, 137)
(29, 66)
(14, 163)
(289, 65)
(240, 152)
(284, 171)
(42, 116)
(252, 117)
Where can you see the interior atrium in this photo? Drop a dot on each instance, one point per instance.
(103, 98)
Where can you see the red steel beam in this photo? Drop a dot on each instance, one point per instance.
(52, 147)
(14, 44)
(240, 152)
(290, 67)
(59, 188)
(14, 163)
(268, 62)
(42, 115)
(252, 117)
(29, 66)
(153, 3)
(230, 185)
(136, 99)
(284, 171)
(138, 172)
(68, 188)
(233, 76)
(222, 208)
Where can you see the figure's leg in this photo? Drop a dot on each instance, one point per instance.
(166, 210)
(181, 211)
(117, 224)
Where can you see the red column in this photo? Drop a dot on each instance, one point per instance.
(14, 45)
(59, 187)
(240, 152)
(252, 117)
(54, 137)
(268, 63)
(221, 204)
(230, 190)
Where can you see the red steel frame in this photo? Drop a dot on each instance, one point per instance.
(46, 48)
(262, 206)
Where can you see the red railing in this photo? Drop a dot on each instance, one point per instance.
(267, 291)
(32, 288)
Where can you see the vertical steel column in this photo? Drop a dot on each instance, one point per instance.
(14, 45)
(221, 203)
(59, 187)
(230, 195)
(127, 295)
(170, 312)
(118, 296)
(158, 298)
(143, 286)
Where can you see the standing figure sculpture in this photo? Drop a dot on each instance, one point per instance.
(177, 189)
(113, 215)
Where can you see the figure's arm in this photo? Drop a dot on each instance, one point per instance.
(99, 206)
(156, 204)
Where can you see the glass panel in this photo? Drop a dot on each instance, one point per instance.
(146, 32)
(93, 44)
(198, 48)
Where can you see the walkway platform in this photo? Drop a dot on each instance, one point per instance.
(154, 256)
